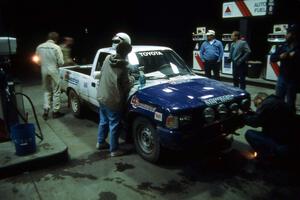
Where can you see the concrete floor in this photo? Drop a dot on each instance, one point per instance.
(91, 174)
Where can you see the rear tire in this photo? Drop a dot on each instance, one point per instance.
(75, 104)
(146, 139)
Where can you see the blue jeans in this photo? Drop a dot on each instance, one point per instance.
(287, 89)
(265, 145)
(109, 122)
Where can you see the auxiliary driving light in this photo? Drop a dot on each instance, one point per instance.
(245, 104)
(209, 114)
(234, 107)
(223, 111)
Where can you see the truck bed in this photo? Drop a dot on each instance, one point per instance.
(82, 70)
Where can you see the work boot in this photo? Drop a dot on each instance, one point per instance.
(45, 115)
(117, 153)
(102, 146)
(57, 114)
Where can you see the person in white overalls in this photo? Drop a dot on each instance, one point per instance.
(51, 58)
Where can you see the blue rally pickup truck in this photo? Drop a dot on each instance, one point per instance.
(173, 109)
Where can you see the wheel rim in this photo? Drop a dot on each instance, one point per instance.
(74, 103)
(145, 140)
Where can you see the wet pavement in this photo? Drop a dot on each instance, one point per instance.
(92, 174)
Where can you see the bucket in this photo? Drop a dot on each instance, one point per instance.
(23, 136)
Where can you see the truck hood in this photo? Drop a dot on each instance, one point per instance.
(188, 92)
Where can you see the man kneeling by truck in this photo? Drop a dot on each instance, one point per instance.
(114, 86)
(278, 139)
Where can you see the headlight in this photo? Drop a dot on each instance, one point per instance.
(36, 59)
(223, 111)
(209, 114)
(234, 107)
(245, 104)
(172, 122)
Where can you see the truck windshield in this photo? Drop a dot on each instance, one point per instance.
(166, 62)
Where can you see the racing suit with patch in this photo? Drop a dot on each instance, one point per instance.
(51, 58)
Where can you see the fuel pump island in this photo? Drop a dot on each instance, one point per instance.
(275, 39)
(226, 64)
(198, 38)
(20, 151)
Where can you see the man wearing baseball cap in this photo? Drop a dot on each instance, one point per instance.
(211, 53)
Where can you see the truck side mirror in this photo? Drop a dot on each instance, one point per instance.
(97, 74)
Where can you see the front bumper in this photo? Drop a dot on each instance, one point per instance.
(217, 135)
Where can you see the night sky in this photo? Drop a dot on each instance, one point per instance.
(168, 23)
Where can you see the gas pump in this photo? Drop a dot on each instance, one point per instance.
(199, 37)
(226, 64)
(275, 39)
(8, 87)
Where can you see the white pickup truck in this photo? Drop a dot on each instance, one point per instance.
(80, 82)
(174, 109)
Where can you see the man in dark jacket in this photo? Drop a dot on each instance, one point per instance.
(239, 54)
(289, 75)
(278, 123)
(114, 86)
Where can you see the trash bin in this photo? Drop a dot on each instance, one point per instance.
(254, 69)
(23, 136)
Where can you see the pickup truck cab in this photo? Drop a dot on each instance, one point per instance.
(174, 109)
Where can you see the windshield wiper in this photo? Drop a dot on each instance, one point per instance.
(173, 75)
(156, 78)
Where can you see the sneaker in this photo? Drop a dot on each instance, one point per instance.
(117, 153)
(57, 114)
(45, 115)
(101, 146)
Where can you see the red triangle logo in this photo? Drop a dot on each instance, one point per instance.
(227, 10)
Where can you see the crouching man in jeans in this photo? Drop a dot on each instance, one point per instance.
(114, 86)
(278, 138)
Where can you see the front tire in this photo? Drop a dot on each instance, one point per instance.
(146, 139)
(75, 104)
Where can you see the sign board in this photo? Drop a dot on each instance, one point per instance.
(226, 64)
(272, 70)
(201, 30)
(247, 8)
(198, 64)
(280, 28)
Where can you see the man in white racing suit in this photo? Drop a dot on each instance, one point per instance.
(51, 58)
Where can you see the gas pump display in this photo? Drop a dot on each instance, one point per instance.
(272, 68)
(198, 39)
(226, 65)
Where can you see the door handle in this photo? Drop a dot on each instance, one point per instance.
(93, 84)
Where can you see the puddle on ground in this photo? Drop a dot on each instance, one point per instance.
(122, 182)
(107, 196)
(171, 186)
(121, 167)
(63, 174)
(15, 190)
